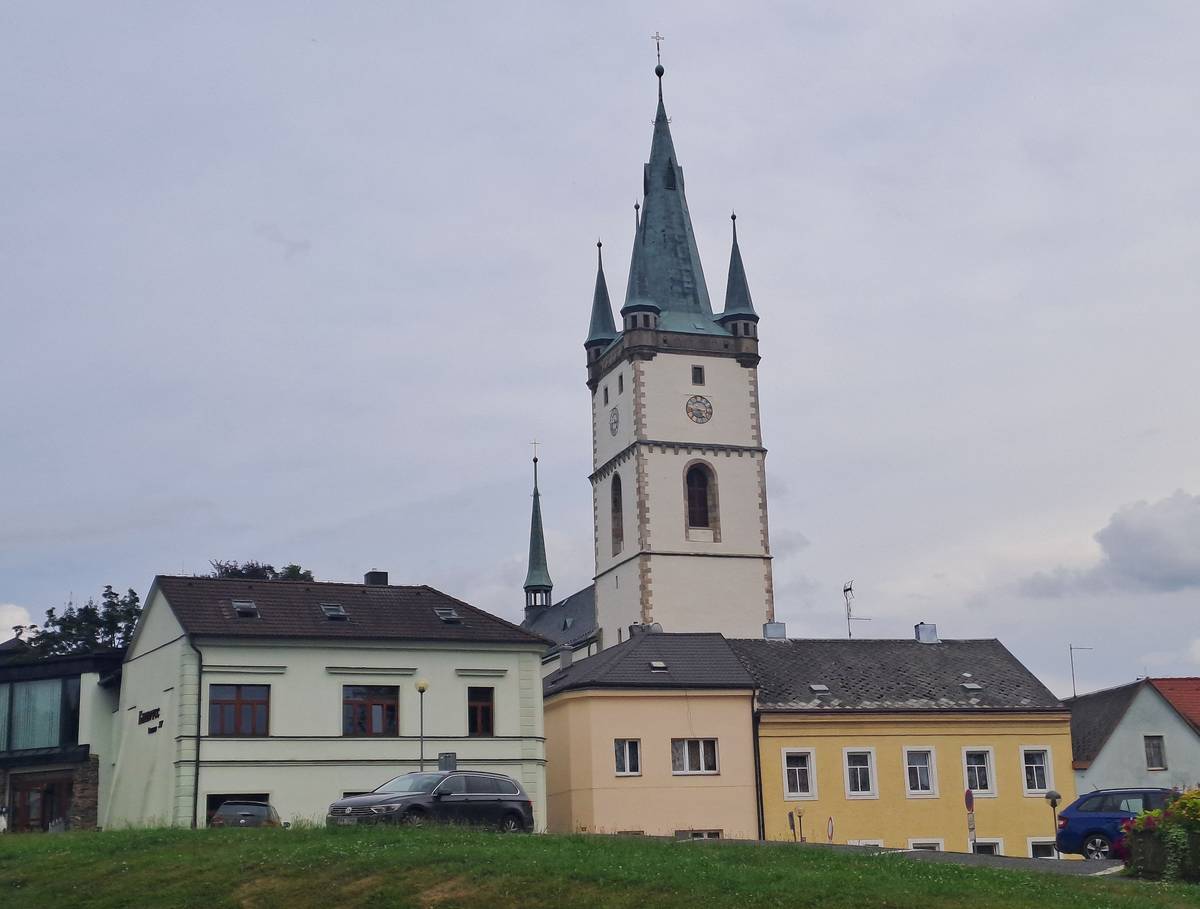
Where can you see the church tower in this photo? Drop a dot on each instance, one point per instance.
(679, 476)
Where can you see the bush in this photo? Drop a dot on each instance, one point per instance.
(1165, 843)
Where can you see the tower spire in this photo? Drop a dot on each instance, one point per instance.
(538, 585)
(601, 330)
(738, 305)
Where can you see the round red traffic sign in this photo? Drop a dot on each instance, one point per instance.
(969, 800)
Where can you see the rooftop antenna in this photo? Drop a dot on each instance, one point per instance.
(848, 593)
(1071, 648)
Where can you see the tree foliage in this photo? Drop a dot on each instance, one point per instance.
(259, 571)
(87, 628)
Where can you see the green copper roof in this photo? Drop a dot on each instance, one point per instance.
(737, 291)
(665, 268)
(602, 328)
(538, 575)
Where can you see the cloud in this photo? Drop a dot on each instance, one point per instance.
(786, 543)
(1194, 650)
(11, 614)
(1152, 547)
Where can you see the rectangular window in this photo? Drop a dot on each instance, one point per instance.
(481, 710)
(697, 375)
(37, 714)
(1156, 753)
(799, 779)
(605, 395)
(977, 765)
(926, 845)
(860, 773)
(920, 774)
(1036, 763)
(620, 383)
(697, 834)
(628, 756)
(370, 710)
(1042, 849)
(693, 756)
(989, 847)
(237, 710)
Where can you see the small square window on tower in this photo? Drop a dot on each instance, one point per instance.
(697, 375)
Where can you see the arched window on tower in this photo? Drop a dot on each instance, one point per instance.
(703, 517)
(697, 496)
(618, 516)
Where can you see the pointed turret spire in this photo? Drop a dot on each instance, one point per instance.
(665, 273)
(737, 292)
(601, 331)
(538, 585)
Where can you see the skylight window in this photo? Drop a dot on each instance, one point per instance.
(245, 609)
(448, 614)
(658, 666)
(972, 686)
(819, 688)
(335, 612)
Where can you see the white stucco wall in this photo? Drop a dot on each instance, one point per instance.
(305, 762)
(97, 708)
(608, 444)
(1122, 760)
(667, 380)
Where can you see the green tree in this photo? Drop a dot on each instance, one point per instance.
(87, 628)
(259, 571)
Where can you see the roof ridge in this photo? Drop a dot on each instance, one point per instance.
(282, 581)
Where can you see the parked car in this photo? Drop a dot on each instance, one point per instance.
(246, 814)
(451, 797)
(1091, 825)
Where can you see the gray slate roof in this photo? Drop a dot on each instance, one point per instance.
(568, 622)
(890, 675)
(692, 661)
(292, 609)
(1094, 716)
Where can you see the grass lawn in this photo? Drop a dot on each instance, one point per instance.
(446, 867)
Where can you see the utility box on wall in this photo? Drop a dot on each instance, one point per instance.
(447, 760)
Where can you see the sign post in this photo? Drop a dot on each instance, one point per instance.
(969, 801)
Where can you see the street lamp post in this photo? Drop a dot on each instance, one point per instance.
(1053, 797)
(422, 687)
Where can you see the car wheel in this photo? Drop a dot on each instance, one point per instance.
(413, 818)
(511, 823)
(1097, 846)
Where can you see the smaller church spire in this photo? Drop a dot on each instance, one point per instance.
(602, 330)
(538, 585)
(737, 292)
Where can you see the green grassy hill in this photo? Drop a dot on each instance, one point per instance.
(260, 869)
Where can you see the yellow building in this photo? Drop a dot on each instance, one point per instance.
(653, 736)
(875, 742)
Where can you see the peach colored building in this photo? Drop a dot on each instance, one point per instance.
(653, 736)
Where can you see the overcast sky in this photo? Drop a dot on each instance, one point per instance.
(299, 282)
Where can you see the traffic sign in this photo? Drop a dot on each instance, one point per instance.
(829, 829)
(969, 800)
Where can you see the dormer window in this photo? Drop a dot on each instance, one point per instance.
(658, 666)
(818, 688)
(335, 612)
(448, 614)
(245, 609)
(972, 686)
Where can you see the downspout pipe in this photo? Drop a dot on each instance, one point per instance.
(758, 793)
(199, 712)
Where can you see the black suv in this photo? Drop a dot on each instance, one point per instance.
(451, 797)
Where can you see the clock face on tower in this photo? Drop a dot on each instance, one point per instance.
(699, 408)
(614, 421)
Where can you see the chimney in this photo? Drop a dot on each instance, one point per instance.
(926, 633)
(565, 658)
(774, 631)
(376, 578)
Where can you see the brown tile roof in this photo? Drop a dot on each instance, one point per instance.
(292, 609)
(1184, 695)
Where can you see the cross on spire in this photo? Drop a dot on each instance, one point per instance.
(658, 40)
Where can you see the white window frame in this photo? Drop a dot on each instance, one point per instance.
(1038, 793)
(701, 739)
(627, 772)
(811, 795)
(872, 767)
(997, 841)
(1031, 841)
(933, 780)
(929, 840)
(991, 753)
(1165, 762)
(878, 843)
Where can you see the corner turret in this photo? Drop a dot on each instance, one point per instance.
(739, 316)
(538, 586)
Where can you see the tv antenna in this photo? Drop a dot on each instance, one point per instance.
(1071, 648)
(848, 593)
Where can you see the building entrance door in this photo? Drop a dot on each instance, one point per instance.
(40, 801)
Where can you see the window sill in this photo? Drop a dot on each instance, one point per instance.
(1035, 793)
(618, 773)
(796, 797)
(695, 773)
(1156, 769)
(700, 535)
(921, 795)
(985, 795)
(862, 795)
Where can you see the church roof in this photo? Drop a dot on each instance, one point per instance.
(737, 291)
(568, 622)
(538, 575)
(602, 329)
(665, 270)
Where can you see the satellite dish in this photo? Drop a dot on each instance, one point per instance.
(656, 627)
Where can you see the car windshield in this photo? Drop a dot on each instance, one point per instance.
(412, 782)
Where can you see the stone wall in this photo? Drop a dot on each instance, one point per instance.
(85, 796)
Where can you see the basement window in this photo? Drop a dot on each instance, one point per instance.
(245, 609)
(335, 612)
(448, 614)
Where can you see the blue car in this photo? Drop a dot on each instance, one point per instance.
(1091, 825)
